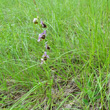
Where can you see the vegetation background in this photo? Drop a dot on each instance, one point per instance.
(77, 74)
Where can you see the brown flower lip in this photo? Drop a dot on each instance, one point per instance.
(43, 36)
(45, 58)
(46, 46)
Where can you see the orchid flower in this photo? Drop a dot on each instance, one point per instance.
(42, 36)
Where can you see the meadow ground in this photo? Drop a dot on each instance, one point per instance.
(76, 76)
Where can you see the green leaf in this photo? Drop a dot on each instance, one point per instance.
(97, 97)
(86, 101)
(89, 84)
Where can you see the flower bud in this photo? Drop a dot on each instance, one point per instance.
(35, 20)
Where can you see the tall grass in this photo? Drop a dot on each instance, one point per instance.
(77, 73)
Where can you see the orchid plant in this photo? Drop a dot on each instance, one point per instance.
(41, 37)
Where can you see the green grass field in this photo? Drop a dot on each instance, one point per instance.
(76, 76)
